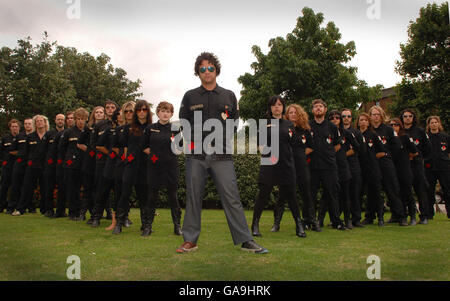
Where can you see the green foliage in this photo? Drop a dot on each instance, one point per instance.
(424, 65)
(49, 79)
(309, 63)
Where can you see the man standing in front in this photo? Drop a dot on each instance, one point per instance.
(211, 102)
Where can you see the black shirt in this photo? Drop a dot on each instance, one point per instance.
(36, 150)
(20, 145)
(369, 163)
(73, 158)
(107, 140)
(302, 140)
(99, 128)
(353, 160)
(219, 104)
(325, 136)
(135, 160)
(7, 143)
(440, 150)
(402, 162)
(422, 142)
(389, 140)
(88, 165)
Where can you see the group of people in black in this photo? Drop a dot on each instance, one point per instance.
(351, 159)
(87, 156)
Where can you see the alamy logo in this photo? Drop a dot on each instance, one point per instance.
(74, 270)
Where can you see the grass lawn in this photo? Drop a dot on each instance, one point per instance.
(33, 247)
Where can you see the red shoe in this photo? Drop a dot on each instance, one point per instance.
(186, 247)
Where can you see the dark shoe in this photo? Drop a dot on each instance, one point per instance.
(127, 223)
(89, 222)
(275, 228)
(95, 223)
(299, 231)
(255, 224)
(8, 211)
(49, 213)
(380, 223)
(393, 220)
(358, 225)
(413, 222)
(108, 214)
(349, 225)
(146, 231)
(252, 246)
(403, 222)
(277, 216)
(187, 247)
(315, 226)
(321, 225)
(367, 222)
(423, 221)
(340, 226)
(117, 229)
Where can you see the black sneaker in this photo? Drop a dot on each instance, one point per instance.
(252, 246)
(340, 226)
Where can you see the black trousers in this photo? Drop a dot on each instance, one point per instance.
(87, 202)
(443, 176)
(392, 187)
(375, 204)
(304, 185)
(330, 185)
(420, 185)
(355, 196)
(101, 198)
(50, 184)
(409, 205)
(141, 194)
(18, 175)
(61, 184)
(344, 199)
(171, 196)
(5, 183)
(287, 193)
(73, 187)
(32, 177)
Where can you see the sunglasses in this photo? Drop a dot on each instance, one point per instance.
(142, 110)
(210, 69)
(407, 116)
(346, 116)
(128, 111)
(395, 124)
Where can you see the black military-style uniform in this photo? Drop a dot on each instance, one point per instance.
(7, 144)
(437, 168)
(87, 171)
(356, 180)
(108, 164)
(36, 153)
(420, 183)
(405, 175)
(391, 146)
(163, 167)
(281, 172)
(72, 163)
(60, 176)
(371, 176)
(323, 166)
(50, 170)
(18, 172)
(120, 162)
(134, 174)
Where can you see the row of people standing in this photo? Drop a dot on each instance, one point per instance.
(350, 162)
(115, 150)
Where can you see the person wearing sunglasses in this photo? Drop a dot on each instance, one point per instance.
(100, 203)
(323, 165)
(404, 173)
(135, 170)
(353, 158)
(437, 166)
(422, 141)
(391, 145)
(371, 172)
(162, 162)
(211, 101)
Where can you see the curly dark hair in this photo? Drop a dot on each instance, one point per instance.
(210, 57)
(408, 110)
(135, 124)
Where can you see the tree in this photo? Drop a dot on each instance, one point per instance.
(41, 80)
(424, 65)
(309, 63)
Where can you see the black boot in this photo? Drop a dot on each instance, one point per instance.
(120, 218)
(108, 213)
(82, 215)
(277, 215)
(176, 218)
(148, 215)
(315, 226)
(255, 223)
(299, 228)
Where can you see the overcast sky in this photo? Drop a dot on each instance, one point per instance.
(158, 41)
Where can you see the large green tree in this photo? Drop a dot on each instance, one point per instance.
(424, 65)
(309, 63)
(49, 79)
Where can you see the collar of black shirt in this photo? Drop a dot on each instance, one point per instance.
(215, 90)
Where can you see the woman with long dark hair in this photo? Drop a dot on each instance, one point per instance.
(135, 171)
(403, 166)
(282, 170)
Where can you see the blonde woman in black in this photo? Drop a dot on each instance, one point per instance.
(163, 169)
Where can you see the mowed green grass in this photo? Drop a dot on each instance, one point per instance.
(33, 247)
